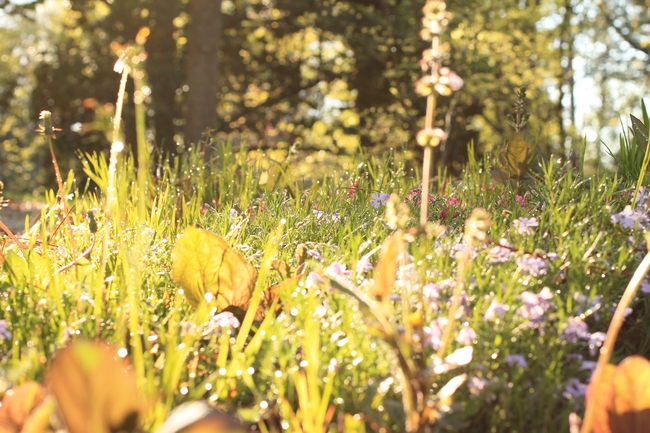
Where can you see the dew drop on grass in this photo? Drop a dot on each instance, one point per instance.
(122, 352)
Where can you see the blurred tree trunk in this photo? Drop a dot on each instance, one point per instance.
(205, 33)
(164, 74)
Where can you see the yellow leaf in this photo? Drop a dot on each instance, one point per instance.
(516, 157)
(203, 262)
(94, 389)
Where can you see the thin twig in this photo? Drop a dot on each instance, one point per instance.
(12, 236)
(76, 261)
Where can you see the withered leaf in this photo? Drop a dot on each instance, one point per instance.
(203, 262)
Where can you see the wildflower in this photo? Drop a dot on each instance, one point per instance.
(4, 331)
(338, 270)
(574, 389)
(516, 360)
(595, 341)
(313, 279)
(476, 385)
(525, 226)
(495, 310)
(431, 291)
(520, 200)
(645, 285)
(532, 265)
(433, 333)
(352, 190)
(500, 254)
(629, 218)
(378, 199)
(224, 320)
(315, 254)
(535, 307)
(588, 365)
(453, 201)
(576, 330)
(458, 249)
(364, 265)
(466, 336)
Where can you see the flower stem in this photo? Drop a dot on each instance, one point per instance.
(426, 165)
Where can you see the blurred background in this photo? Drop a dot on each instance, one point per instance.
(323, 79)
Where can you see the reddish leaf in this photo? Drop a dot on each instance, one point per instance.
(17, 404)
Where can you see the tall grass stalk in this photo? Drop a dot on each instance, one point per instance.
(143, 154)
(116, 147)
(48, 131)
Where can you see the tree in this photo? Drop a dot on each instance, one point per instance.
(205, 33)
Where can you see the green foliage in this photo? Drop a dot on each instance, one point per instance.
(631, 160)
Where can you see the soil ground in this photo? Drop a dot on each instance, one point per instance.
(13, 216)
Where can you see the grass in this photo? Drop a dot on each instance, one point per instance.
(287, 370)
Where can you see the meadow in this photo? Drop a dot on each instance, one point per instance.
(321, 307)
(223, 290)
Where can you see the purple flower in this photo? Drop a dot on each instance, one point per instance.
(476, 385)
(588, 365)
(532, 266)
(595, 341)
(315, 254)
(645, 285)
(574, 389)
(431, 291)
(576, 330)
(499, 254)
(433, 333)
(516, 360)
(4, 331)
(535, 306)
(312, 280)
(495, 310)
(224, 320)
(461, 248)
(378, 199)
(338, 270)
(525, 226)
(466, 336)
(629, 218)
(364, 265)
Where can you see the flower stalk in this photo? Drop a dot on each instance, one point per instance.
(440, 80)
